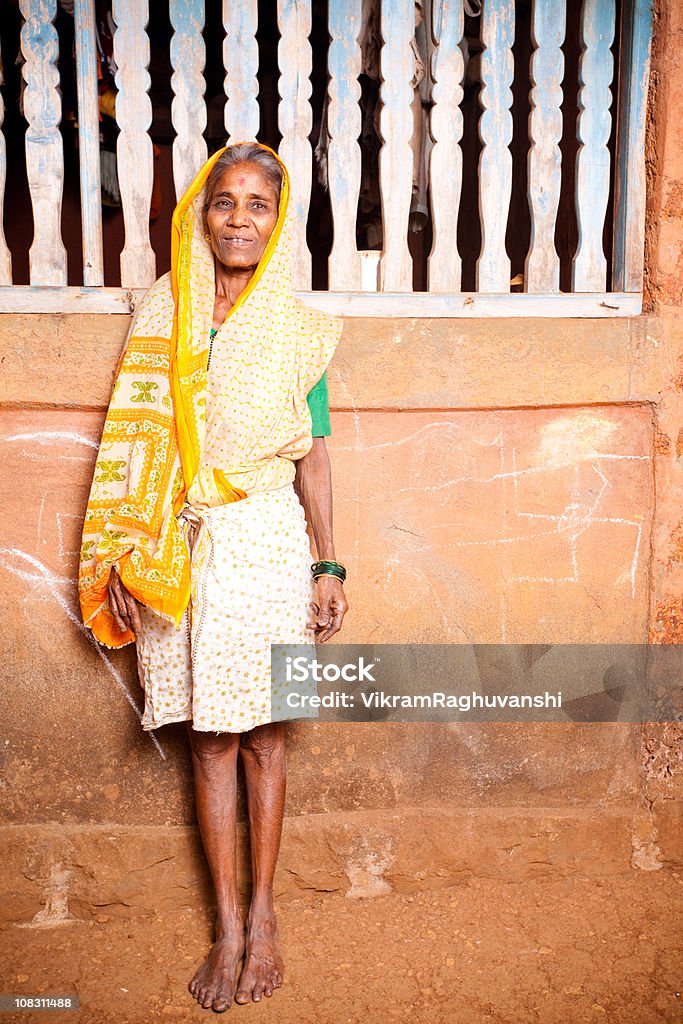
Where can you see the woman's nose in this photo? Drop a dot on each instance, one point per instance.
(238, 215)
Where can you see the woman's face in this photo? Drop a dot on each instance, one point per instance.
(242, 215)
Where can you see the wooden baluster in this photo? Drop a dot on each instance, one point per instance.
(369, 269)
(445, 162)
(589, 270)
(344, 155)
(495, 131)
(188, 110)
(240, 59)
(44, 150)
(396, 156)
(629, 224)
(89, 142)
(135, 158)
(542, 266)
(295, 59)
(5, 255)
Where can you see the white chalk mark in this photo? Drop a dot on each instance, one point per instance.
(39, 457)
(571, 522)
(515, 476)
(611, 455)
(634, 563)
(50, 583)
(39, 533)
(458, 428)
(462, 428)
(576, 524)
(581, 521)
(543, 579)
(50, 436)
(494, 541)
(61, 551)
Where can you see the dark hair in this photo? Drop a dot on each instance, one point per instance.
(243, 153)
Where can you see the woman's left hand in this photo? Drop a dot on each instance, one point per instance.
(330, 609)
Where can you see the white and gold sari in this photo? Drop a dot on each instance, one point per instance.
(192, 499)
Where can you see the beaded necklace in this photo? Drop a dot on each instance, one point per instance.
(212, 334)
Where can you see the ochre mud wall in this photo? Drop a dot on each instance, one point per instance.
(662, 745)
(495, 481)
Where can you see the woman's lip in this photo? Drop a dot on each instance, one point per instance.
(239, 241)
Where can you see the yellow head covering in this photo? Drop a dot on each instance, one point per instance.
(165, 439)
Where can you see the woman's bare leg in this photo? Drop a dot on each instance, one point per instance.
(263, 754)
(214, 761)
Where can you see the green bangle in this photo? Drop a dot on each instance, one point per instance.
(326, 567)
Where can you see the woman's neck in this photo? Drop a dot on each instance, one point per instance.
(231, 282)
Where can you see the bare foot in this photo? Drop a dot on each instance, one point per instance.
(213, 985)
(263, 965)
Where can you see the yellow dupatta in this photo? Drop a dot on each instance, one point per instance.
(152, 449)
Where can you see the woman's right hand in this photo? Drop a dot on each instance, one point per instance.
(123, 605)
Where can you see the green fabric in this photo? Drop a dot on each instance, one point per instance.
(318, 403)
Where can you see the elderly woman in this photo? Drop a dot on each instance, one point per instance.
(195, 541)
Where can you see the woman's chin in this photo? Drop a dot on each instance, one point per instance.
(238, 261)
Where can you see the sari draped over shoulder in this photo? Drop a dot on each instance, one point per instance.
(176, 434)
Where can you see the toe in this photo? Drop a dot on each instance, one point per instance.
(257, 991)
(244, 987)
(221, 1003)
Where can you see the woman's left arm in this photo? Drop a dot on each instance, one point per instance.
(313, 484)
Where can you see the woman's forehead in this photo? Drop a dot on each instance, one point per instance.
(248, 177)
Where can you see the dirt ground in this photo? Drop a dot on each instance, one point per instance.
(569, 950)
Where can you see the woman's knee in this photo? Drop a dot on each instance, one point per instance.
(265, 744)
(211, 747)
